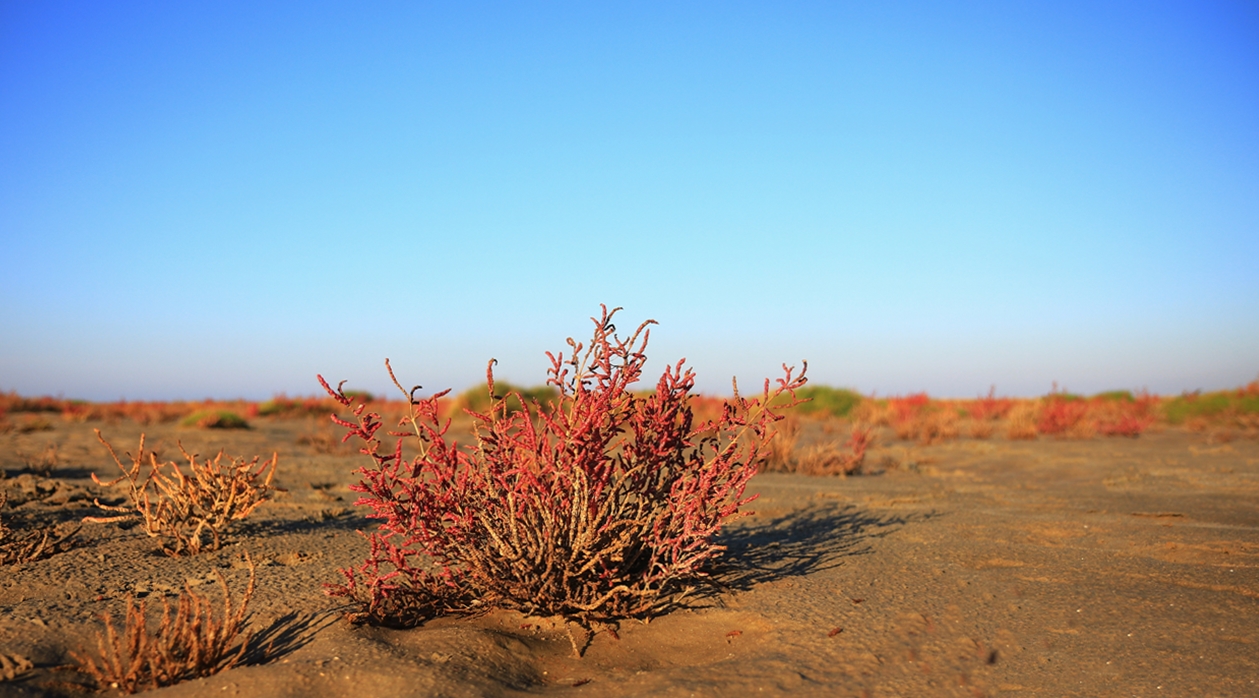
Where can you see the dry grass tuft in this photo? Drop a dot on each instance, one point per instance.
(831, 459)
(182, 512)
(1021, 423)
(323, 441)
(981, 429)
(194, 643)
(42, 463)
(17, 548)
(782, 446)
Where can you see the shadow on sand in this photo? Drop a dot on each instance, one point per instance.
(286, 634)
(805, 541)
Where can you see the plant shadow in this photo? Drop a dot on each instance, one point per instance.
(349, 521)
(286, 634)
(805, 541)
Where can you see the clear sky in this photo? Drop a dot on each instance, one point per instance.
(224, 199)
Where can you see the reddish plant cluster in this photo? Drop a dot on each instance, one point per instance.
(990, 407)
(597, 506)
(1060, 414)
(906, 409)
(919, 418)
(1126, 418)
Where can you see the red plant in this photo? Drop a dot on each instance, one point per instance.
(597, 506)
(905, 409)
(989, 408)
(1059, 414)
(1127, 418)
(1127, 425)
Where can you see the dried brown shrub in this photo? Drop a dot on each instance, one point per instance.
(322, 441)
(194, 643)
(1021, 423)
(19, 547)
(981, 429)
(872, 412)
(186, 512)
(782, 446)
(42, 463)
(939, 425)
(831, 459)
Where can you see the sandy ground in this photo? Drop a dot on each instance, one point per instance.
(1109, 567)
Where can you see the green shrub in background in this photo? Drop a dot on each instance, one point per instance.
(215, 419)
(1116, 396)
(823, 399)
(477, 398)
(1209, 405)
(281, 406)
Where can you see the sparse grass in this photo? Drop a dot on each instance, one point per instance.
(193, 643)
(186, 512)
(42, 463)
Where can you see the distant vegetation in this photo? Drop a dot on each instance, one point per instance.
(823, 399)
(477, 398)
(913, 417)
(1213, 406)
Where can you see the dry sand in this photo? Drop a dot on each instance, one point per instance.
(1111, 567)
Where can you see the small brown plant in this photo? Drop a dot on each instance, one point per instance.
(981, 429)
(1021, 423)
(322, 441)
(185, 512)
(194, 643)
(782, 446)
(17, 548)
(830, 459)
(42, 463)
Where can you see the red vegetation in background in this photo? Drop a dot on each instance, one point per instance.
(596, 506)
(1060, 414)
(989, 408)
(905, 409)
(1127, 418)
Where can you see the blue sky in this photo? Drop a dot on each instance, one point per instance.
(221, 199)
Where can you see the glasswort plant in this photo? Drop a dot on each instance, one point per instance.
(596, 506)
